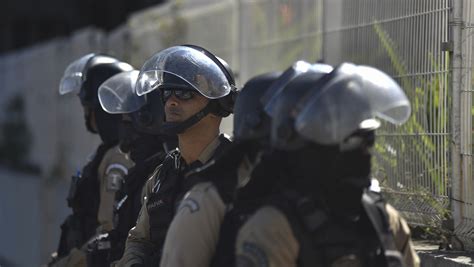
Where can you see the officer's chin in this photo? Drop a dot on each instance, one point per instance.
(173, 118)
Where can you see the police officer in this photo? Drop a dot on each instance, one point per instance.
(197, 90)
(222, 208)
(92, 190)
(142, 140)
(205, 204)
(323, 213)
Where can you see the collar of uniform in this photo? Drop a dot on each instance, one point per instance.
(208, 152)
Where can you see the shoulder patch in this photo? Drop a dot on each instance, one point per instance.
(114, 181)
(189, 203)
(243, 261)
(258, 254)
(114, 176)
(116, 166)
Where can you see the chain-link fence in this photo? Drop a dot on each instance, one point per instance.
(254, 36)
(405, 39)
(422, 165)
(273, 34)
(425, 165)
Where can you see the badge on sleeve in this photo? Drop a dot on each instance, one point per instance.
(114, 176)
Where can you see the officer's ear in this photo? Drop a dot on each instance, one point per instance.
(214, 119)
(214, 116)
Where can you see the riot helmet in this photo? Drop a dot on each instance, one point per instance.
(84, 76)
(117, 96)
(189, 68)
(348, 101)
(339, 120)
(335, 119)
(250, 120)
(293, 84)
(299, 67)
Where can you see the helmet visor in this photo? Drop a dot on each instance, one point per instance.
(196, 69)
(354, 94)
(331, 113)
(386, 97)
(274, 91)
(117, 94)
(71, 81)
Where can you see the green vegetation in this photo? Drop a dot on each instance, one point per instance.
(425, 110)
(418, 151)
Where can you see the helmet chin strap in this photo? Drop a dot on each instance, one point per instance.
(89, 125)
(173, 128)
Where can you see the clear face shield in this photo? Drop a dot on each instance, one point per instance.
(349, 102)
(280, 107)
(197, 70)
(386, 97)
(117, 94)
(299, 67)
(71, 81)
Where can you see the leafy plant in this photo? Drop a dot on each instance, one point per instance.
(417, 149)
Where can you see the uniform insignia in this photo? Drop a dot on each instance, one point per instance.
(114, 176)
(256, 253)
(189, 203)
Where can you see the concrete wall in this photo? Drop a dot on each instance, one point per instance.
(31, 210)
(33, 206)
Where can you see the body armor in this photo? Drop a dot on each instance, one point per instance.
(83, 198)
(170, 187)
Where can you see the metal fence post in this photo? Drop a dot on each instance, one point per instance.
(457, 194)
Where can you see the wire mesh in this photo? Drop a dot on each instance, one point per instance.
(404, 38)
(411, 40)
(274, 34)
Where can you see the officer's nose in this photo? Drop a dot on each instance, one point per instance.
(172, 101)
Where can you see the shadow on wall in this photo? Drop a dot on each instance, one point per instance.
(5, 262)
(15, 137)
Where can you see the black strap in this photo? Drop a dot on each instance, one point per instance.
(129, 200)
(160, 202)
(219, 170)
(317, 231)
(83, 198)
(179, 127)
(374, 207)
(168, 190)
(304, 218)
(139, 173)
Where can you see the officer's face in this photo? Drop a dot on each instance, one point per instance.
(179, 110)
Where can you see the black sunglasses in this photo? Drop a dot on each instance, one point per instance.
(179, 94)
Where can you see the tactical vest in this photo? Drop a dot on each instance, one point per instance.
(83, 198)
(327, 240)
(241, 204)
(234, 218)
(324, 239)
(168, 190)
(128, 202)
